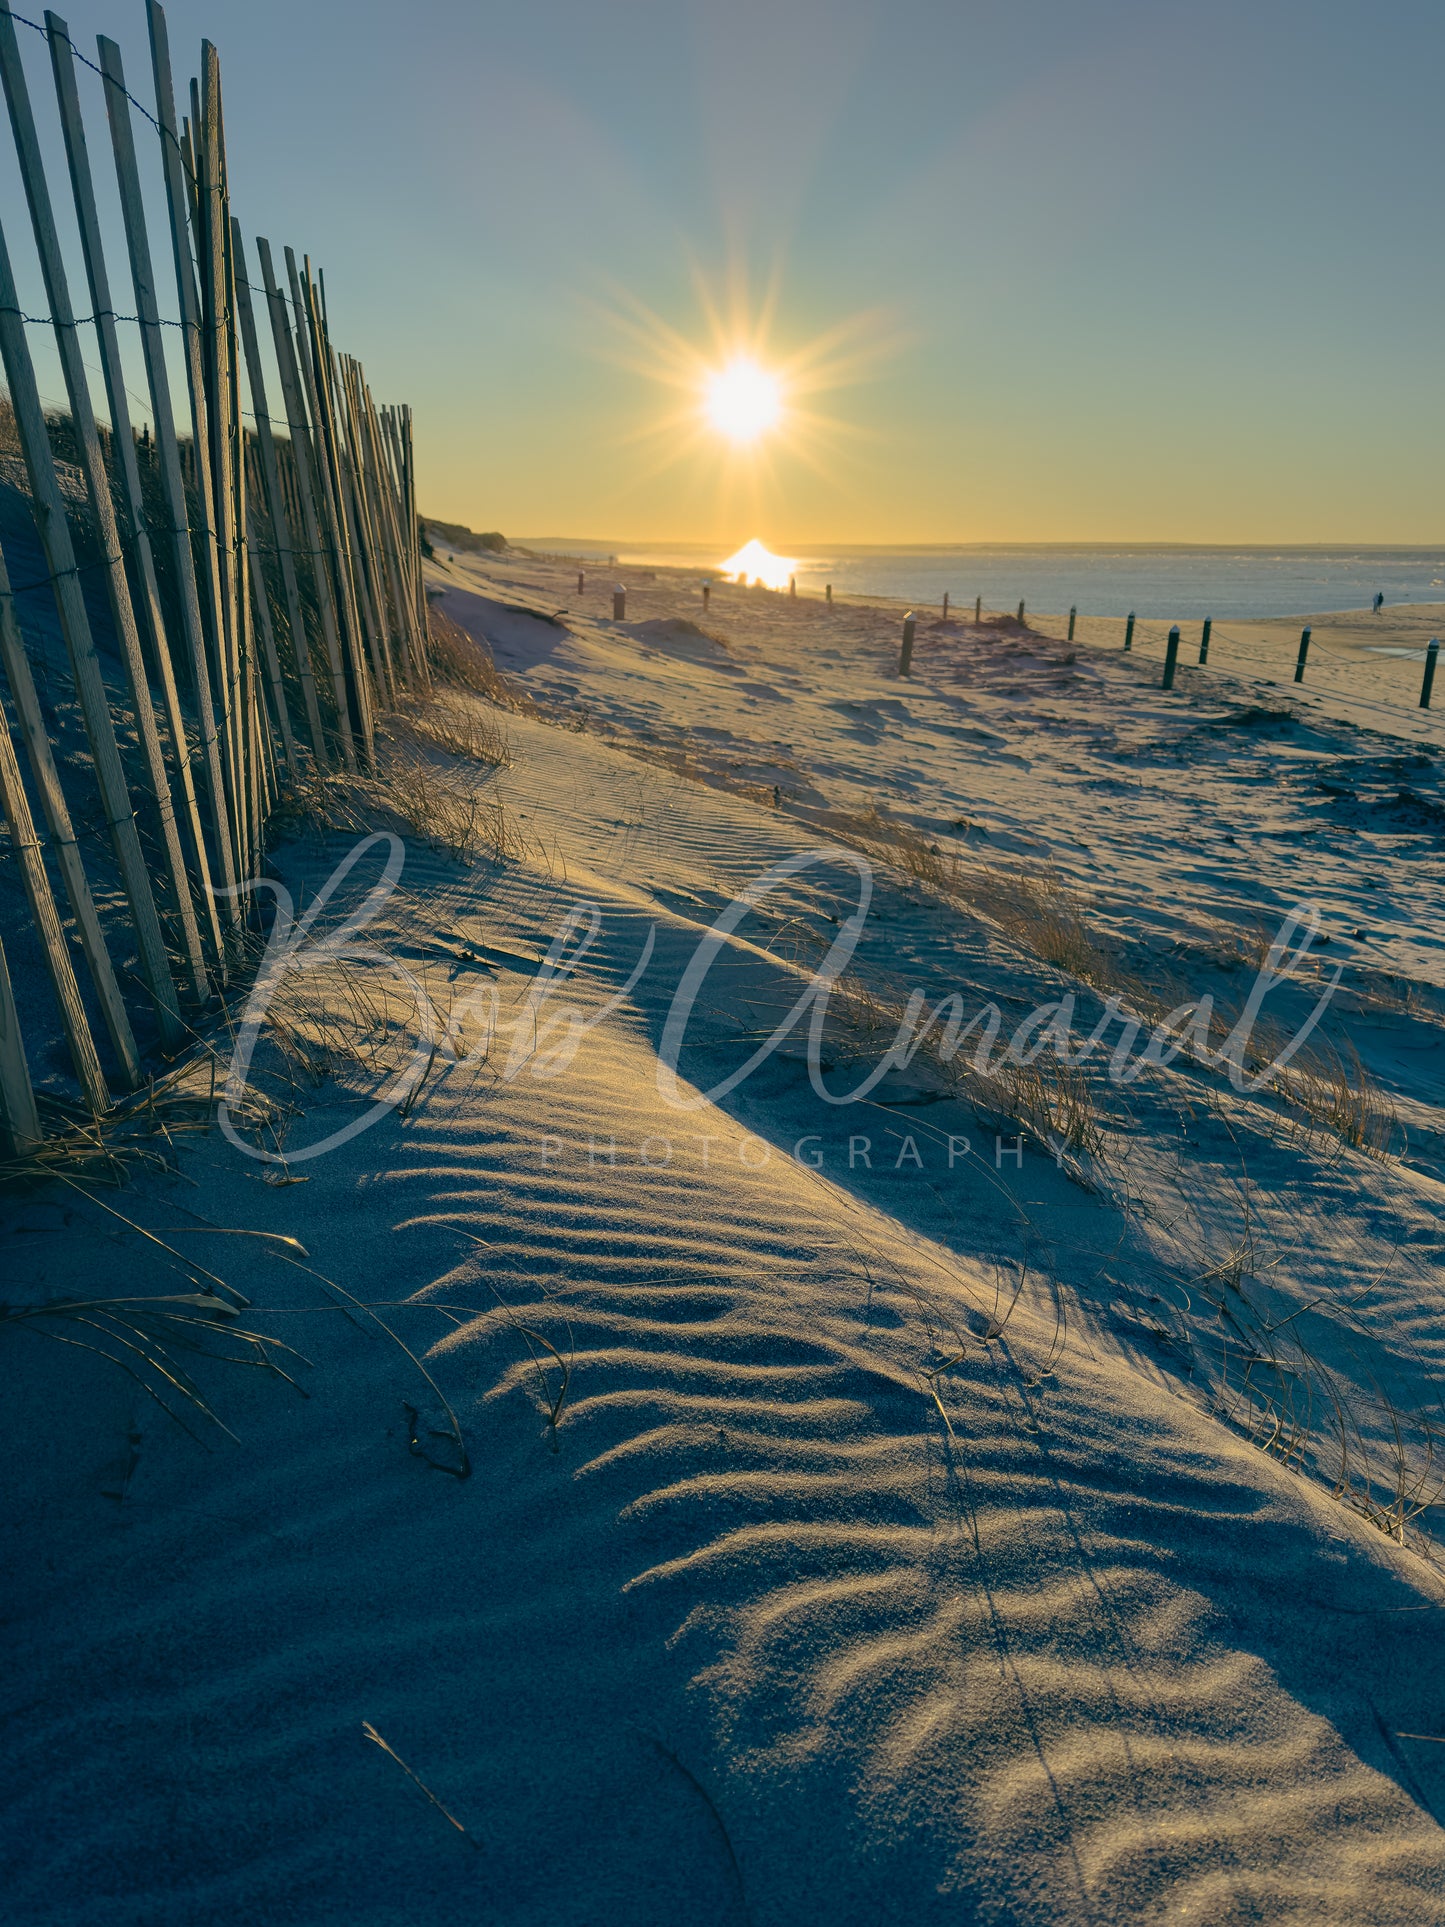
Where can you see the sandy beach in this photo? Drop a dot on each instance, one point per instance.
(1011, 1501)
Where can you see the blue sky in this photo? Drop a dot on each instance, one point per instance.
(1126, 271)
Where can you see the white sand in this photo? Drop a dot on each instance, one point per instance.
(800, 1621)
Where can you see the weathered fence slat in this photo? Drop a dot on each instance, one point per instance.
(328, 472)
(368, 545)
(60, 559)
(137, 535)
(168, 457)
(261, 604)
(80, 645)
(396, 569)
(185, 562)
(306, 465)
(276, 506)
(33, 874)
(18, 1115)
(36, 738)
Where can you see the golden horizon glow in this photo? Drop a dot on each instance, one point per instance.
(755, 563)
(743, 401)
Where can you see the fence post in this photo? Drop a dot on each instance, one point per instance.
(18, 1115)
(36, 738)
(1073, 618)
(905, 654)
(1304, 650)
(384, 499)
(197, 458)
(706, 596)
(1021, 612)
(61, 564)
(168, 456)
(80, 645)
(581, 582)
(28, 850)
(945, 605)
(828, 595)
(1428, 683)
(1204, 639)
(262, 606)
(793, 586)
(365, 542)
(123, 458)
(977, 610)
(307, 486)
(225, 432)
(1129, 631)
(365, 642)
(619, 604)
(315, 372)
(1171, 656)
(276, 506)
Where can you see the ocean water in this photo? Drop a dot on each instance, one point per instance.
(1173, 584)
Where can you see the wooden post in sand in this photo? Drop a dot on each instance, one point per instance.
(581, 582)
(793, 586)
(977, 609)
(945, 605)
(619, 604)
(828, 594)
(168, 458)
(1171, 657)
(19, 1119)
(27, 848)
(1204, 639)
(1302, 657)
(1129, 631)
(1073, 618)
(125, 480)
(280, 527)
(1021, 612)
(308, 487)
(905, 654)
(706, 596)
(49, 511)
(1431, 654)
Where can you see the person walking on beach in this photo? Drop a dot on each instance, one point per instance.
(1379, 600)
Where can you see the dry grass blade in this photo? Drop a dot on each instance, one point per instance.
(142, 1335)
(1053, 1101)
(138, 1133)
(390, 1751)
(1043, 915)
(905, 847)
(463, 1468)
(1330, 1089)
(1337, 1096)
(464, 662)
(467, 730)
(439, 806)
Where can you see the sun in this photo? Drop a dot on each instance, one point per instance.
(744, 413)
(743, 401)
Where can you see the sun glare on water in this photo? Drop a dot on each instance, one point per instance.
(743, 401)
(754, 563)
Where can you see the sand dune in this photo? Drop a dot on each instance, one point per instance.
(900, 1549)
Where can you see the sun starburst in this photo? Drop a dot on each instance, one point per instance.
(745, 403)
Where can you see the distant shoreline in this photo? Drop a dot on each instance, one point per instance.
(580, 543)
(1181, 584)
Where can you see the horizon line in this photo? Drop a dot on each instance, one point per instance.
(955, 548)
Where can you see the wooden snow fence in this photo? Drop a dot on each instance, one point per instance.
(192, 612)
